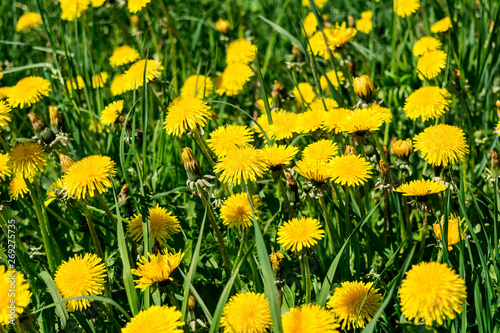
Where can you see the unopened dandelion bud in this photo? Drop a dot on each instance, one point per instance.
(222, 26)
(36, 122)
(402, 148)
(191, 302)
(47, 136)
(350, 21)
(384, 168)
(191, 164)
(363, 87)
(292, 191)
(66, 162)
(56, 119)
(134, 19)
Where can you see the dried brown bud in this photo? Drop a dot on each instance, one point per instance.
(66, 162)
(350, 21)
(494, 158)
(36, 122)
(350, 150)
(295, 50)
(384, 168)
(123, 192)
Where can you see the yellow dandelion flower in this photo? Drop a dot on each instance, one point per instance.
(241, 164)
(80, 276)
(441, 25)
(54, 190)
(297, 234)
(246, 313)
(163, 225)
(318, 172)
(340, 35)
(72, 9)
(236, 210)
(277, 156)
(309, 318)
(4, 166)
(241, 51)
(428, 103)
(28, 21)
(383, 113)
(99, 80)
(426, 44)
(97, 3)
(5, 115)
(134, 77)
(402, 148)
(431, 292)
(156, 319)
(222, 26)
(336, 79)
(421, 188)
(156, 268)
(455, 230)
(123, 55)
(360, 121)
(77, 84)
(309, 121)
(332, 119)
(26, 158)
(318, 45)
(318, 3)
(232, 81)
(227, 138)
(136, 5)
(197, 84)
(441, 144)
(431, 64)
(111, 113)
(350, 170)
(18, 187)
(364, 24)
(276, 259)
(349, 300)
(186, 113)
(323, 104)
(310, 24)
(320, 151)
(304, 92)
(88, 177)
(263, 122)
(406, 7)
(1, 75)
(28, 91)
(119, 85)
(9, 280)
(5, 91)
(283, 126)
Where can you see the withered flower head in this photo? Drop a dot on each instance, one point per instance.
(36, 122)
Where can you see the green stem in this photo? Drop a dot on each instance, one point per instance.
(333, 239)
(4, 144)
(242, 246)
(306, 274)
(288, 206)
(93, 233)
(106, 209)
(422, 242)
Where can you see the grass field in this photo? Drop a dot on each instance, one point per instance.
(249, 166)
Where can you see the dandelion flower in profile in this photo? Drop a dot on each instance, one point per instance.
(360, 122)
(28, 21)
(340, 35)
(455, 230)
(185, 113)
(5, 115)
(134, 77)
(364, 24)
(310, 24)
(28, 91)
(304, 92)
(318, 45)
(54, 190)
(441, 25)
(276, 259)
(197, 84)
(119, 85)
(241, 164)
(309, 318)
(236, 210)
(431, 292)
(241, 51)
(349, 300)
(406, 7)
(233, 79)
(26, 158)
(72, 9)
(428, 103)
(284, 125)
(318, 3)
(156, 268)
(222, 26)
(227, 138)
(163, 225)
(4, 166)
(426, 44)
(350, 170)
(320, 151)
(20, 298)
(80, 276)
(156, 319)
(431, 64)
(111, 113)
(333, 118)
(5, 91)
(99, 80)
(441, 144)
(318, 172)
(323, 104)
(123, 55)
(421, 188)
(88, 177)
(336, 79)
(246, 313)
(297, 234)
(136, 5)
(279, 155)
(18, 187)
